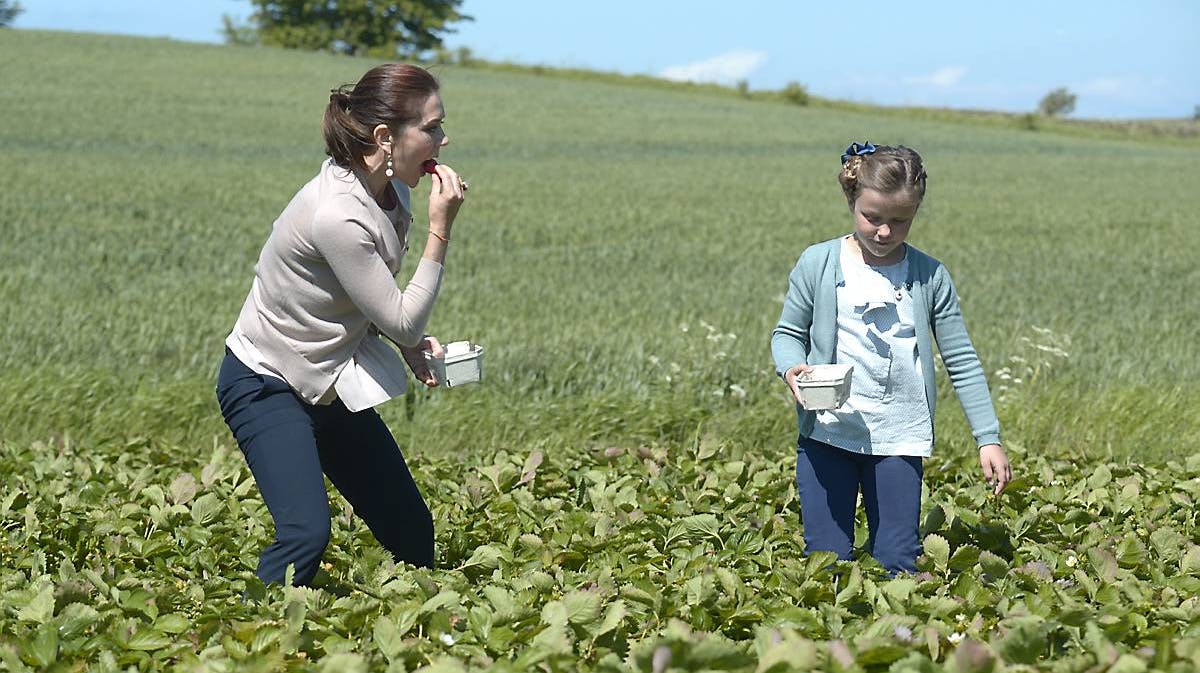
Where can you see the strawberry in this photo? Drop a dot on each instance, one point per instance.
(429, 166)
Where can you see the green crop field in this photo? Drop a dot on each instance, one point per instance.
(617, 494)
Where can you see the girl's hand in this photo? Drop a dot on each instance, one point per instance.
(790, 378)
(415, 357)
(445, 198)
(996, 469)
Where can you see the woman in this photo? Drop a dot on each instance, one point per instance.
(304, 364)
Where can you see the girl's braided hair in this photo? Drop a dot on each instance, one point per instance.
(884, 168)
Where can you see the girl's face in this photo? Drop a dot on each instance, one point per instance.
(420, 141)
(881, 223)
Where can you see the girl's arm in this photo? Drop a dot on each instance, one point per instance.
(962, 362)
(970, 385)
(790, 338)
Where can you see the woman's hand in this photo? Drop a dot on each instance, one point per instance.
(445, 198)
(415, 357)
(996, 469)
(789, 377)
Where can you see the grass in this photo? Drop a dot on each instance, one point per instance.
(1174, 131)
(145, 175)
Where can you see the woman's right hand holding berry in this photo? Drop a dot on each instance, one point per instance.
(445, 198)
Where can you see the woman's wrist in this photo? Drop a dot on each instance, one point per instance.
(440, 227)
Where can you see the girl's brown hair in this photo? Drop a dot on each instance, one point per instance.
(391, 94)
(888, 169)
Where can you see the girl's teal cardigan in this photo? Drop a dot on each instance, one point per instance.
(807, 331)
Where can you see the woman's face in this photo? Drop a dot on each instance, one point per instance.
(419, 142)
(881, 223)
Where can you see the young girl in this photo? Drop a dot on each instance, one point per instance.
(871, 300)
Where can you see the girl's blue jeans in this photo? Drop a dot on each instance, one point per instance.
(829, 480)
(291, 446)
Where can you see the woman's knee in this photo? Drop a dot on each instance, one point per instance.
(307, 541)
(408, 536)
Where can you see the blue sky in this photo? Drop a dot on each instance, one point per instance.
(1122, 59)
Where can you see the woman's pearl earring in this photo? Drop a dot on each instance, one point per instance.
(389, 171)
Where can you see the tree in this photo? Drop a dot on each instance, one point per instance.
(1057, 102)
(795, 93)
(9, 11)
(402, 28)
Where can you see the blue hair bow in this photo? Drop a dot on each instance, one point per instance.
(856, 150)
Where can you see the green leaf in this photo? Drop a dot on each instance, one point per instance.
(1189, 564)
(155, 495)
(964, 558)
(1104, 563)
(938, 550)
(873, 653)
(140, 600)
(484, 559)
(446, 664)
(183, 489)
(614, 616)
(555, 613)
(42, 649)
(853, 586)
(205, 509)
(553, 639)
(444, 599)
(935, 518)
(1024, 642)
(172, 623)
(265, 638)
(481, 620)
(40, 608)
(819, 563)
(502, 601)
(716, 652)
(75, 618)
(529, 470)
(696, 528)
(899, 589)
(993, 565)
(1100, 477)
(793, 654)
(1167, 542)
(1128, 663)
(388, 637)
(406, 618)
(731, 584)
(11, 659)
(971, 656)
(148, 639)
(343, 662)
(583, 607)
(709, 447)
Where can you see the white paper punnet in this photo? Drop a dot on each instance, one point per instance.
(825, 387)
(462, 364)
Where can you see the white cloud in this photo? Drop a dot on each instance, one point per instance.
(942, 77)
(1105, 86)
(725, 68)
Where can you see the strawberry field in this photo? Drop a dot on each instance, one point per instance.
(617, 494)
(680, 558)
